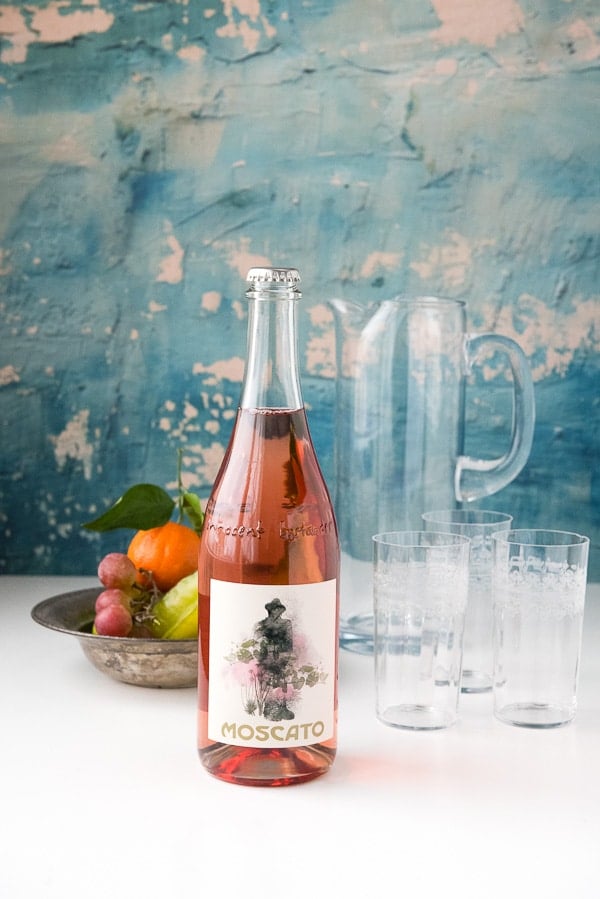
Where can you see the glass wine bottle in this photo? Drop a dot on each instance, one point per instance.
(269, 571)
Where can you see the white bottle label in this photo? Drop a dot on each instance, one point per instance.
(272, 664)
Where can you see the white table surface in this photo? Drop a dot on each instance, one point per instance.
(102, 793)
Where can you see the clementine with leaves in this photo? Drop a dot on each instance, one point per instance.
(168, 552)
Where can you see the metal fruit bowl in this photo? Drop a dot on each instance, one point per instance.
(145, 662)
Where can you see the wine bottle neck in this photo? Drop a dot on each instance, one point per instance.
(271, 378)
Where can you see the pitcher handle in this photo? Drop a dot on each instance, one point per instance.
(476, 478)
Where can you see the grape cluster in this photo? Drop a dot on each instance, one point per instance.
(123, 605)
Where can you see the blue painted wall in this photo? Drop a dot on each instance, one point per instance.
(151, 152)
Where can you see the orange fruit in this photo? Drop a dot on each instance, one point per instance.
(169, 553)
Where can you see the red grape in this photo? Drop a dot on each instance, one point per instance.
(113, 621)
(117, 571)
(113, 597)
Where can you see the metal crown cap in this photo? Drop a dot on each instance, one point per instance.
(287, 277)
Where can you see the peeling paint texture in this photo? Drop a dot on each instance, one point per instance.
(151, 152)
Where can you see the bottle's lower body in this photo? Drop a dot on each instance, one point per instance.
(255, 767)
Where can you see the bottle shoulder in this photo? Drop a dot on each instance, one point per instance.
(270, 460)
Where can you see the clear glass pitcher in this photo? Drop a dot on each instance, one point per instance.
(402, 366)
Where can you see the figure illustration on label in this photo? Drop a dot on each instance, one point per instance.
(274, 655)
(271, 667)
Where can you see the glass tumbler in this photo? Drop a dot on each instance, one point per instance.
(420, 588)
(478, 525)
(539, 583)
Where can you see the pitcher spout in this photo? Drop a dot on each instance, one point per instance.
(362, 330)
(349, 314)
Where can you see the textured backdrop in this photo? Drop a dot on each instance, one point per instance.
(151, 152)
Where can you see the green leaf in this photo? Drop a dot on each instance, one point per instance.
(190, 504)
(141, 507)
(312, 678)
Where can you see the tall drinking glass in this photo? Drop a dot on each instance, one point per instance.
(478, 525)
(539, 583)
(420, 582)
